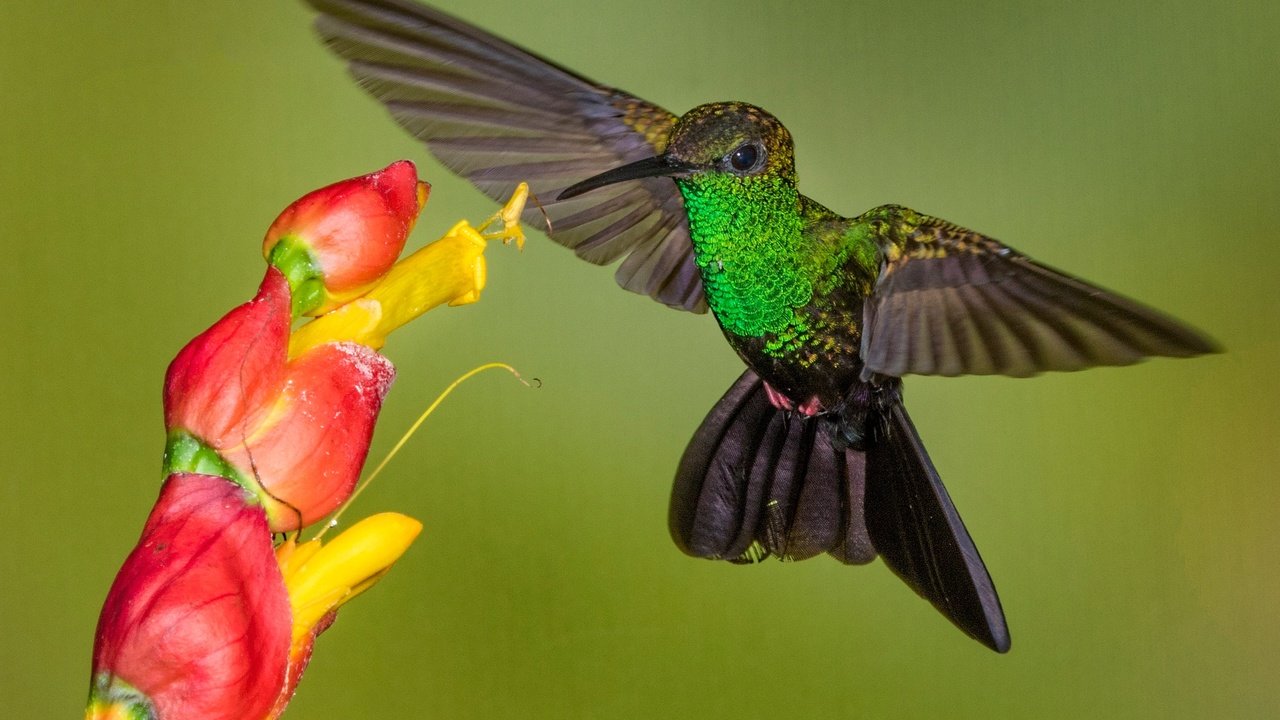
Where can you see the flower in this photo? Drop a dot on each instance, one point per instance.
(206, 620)
(450, 270)
(321, 578)
(268, 430)
(335, 242)
(290, 415)
(293, 431)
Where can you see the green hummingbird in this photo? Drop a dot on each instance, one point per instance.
(811, 451)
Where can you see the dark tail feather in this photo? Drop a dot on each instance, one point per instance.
(756, 481)
(918, 532)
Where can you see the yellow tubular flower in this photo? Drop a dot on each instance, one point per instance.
(450, 270)
(320, 578)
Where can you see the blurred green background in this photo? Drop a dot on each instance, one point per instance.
(1127, 515)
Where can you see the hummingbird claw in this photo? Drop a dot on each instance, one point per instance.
(777, 399)
(811, 407)
(808, 408)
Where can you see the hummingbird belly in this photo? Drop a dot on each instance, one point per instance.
(814, 362)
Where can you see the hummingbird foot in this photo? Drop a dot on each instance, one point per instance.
(808, 408)
(509, 216)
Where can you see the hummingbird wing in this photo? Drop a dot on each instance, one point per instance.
(756, 481)
(497, 114)
(950, 301)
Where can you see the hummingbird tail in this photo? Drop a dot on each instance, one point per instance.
(915, 527)
(757, 481)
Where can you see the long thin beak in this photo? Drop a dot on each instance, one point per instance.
(659, 165)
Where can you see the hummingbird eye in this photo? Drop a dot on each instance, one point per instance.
(746, 157)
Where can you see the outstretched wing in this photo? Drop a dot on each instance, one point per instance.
(950, 301)
(497, 114)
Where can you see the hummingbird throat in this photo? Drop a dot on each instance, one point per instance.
(747, 242)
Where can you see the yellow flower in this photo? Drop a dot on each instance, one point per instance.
(450, 270)
(321, 577)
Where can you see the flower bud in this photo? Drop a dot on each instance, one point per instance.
(334, 243)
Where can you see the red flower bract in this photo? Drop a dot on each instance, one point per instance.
(198, 619)
(309, 451)
(352, 231)
(219, 385)
(295, 431)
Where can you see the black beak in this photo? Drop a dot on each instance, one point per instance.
(659, 165)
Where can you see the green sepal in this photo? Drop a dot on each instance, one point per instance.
(306, 279)
(186, 453)
(108, 690)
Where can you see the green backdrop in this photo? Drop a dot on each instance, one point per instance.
(1127, 515)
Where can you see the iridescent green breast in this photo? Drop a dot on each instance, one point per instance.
(784, 276)
(747, 242)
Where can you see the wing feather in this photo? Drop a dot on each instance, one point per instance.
(498, 114)
(952, 302)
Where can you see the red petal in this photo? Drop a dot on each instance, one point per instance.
(217, 385)
(310, 455)
(198, 618)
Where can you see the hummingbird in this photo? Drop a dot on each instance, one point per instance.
(811, 450)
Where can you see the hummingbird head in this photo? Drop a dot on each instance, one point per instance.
(724, 138)
(732, 138)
